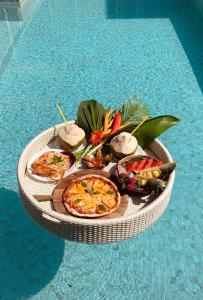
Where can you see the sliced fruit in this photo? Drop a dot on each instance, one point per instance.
(158, 163)
(156, 173)
(149, 163)
(141, 164)
(149, 175)
(131, 166)
(143, 182)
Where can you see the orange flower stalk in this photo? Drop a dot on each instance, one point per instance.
(107, 123)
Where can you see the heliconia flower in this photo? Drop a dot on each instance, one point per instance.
(96, 137)
(107, 123)
(132, 180)
(130, 187)
(116, 122)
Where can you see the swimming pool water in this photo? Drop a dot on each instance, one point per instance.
(108, 50)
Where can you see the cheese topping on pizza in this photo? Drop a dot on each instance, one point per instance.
(91, 196)
(51, 164)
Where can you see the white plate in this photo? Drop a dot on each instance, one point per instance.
(37, 155)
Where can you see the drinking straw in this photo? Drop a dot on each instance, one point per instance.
(139, 125)
(61, 113)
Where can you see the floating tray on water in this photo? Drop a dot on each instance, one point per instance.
(135, 219)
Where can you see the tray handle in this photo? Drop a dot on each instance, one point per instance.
(49, 218)
(43, 198)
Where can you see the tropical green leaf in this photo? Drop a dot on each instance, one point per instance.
(152, 128)
(90, 116)
(87, 116)
(93, 116)
(100, 116)
(134, 111)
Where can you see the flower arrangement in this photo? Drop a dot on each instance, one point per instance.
(101, 125)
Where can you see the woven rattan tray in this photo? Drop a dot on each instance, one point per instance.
(136, 218)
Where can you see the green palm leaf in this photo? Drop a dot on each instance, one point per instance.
(134, 111)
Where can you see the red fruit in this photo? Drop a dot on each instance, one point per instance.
(141, 164)
(149, 163)
(131, 166)
(158, 163)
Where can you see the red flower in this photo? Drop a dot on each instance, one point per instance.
(96, 137)
(130, 187)
(132, 180)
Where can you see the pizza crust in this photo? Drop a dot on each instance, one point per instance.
(74, 212)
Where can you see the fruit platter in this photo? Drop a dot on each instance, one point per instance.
(101, 178)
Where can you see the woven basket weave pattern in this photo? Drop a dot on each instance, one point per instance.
(77, 229)
(93, 233)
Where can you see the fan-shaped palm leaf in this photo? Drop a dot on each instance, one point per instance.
(134, 111)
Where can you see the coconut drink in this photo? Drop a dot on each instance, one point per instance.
(71, 137)
(123, 144)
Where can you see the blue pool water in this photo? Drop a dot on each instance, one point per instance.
(109, 50)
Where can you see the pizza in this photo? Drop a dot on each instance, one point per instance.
(51, 164)
(91, 196)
